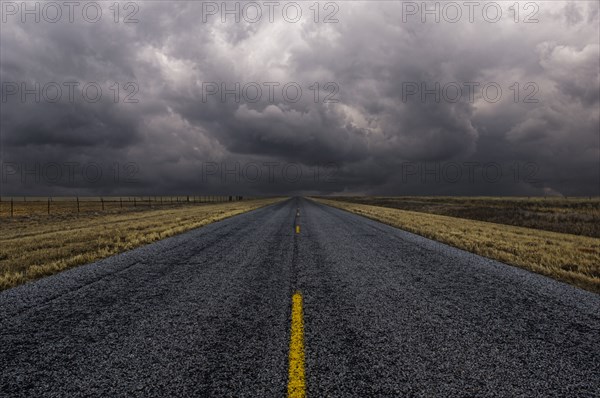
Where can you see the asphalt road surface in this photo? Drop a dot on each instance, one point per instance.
(385, 312)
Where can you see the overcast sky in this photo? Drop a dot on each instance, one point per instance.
(347, 97)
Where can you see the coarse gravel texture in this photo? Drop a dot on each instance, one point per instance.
(386, 313)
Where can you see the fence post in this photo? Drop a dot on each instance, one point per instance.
(48, 206)
(102, 201)
(11, 207)
(120, 202)
(78, 205)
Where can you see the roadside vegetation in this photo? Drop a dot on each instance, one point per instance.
(34, 206)
(579, 216)
(37, 245)
(567, 257)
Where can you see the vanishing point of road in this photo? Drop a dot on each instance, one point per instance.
(347, 307)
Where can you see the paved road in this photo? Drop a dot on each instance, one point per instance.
(386, 313)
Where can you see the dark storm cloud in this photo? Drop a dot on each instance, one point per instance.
(374, 139)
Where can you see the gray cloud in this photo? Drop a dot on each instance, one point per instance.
(373, 139)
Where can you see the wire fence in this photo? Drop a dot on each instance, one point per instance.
(13, 206)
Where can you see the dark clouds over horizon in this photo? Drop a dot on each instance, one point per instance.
(371, 141)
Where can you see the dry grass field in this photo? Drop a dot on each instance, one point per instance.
(19, 206)
(566, 257)
(34, 244)
(579, 216)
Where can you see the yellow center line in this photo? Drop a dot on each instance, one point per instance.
(296, 381)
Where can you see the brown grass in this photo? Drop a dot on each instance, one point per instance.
(566, 257)
(38, 206)
(579, 216)
(35, 246)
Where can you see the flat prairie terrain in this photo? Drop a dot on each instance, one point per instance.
(19, 206)
(567, 257)
(579, 216)
(33, 244)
